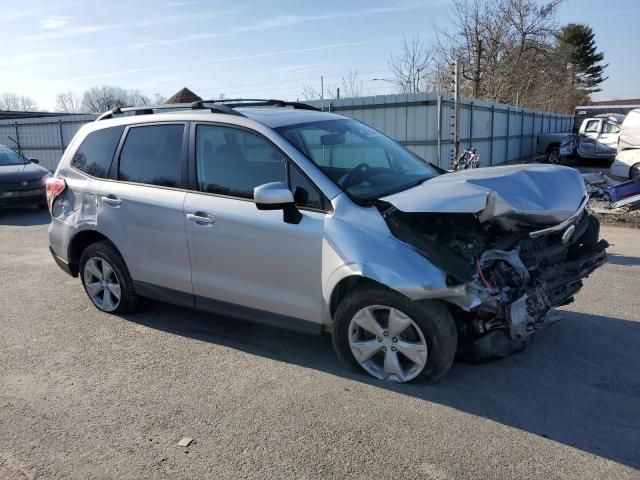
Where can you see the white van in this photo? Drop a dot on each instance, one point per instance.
(630, 131)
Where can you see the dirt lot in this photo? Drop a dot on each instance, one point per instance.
(87, 395)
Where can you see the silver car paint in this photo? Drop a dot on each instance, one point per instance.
(253, 258)
(148, 228)
(542, 194)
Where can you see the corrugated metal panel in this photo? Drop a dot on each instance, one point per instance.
(411, 119)
(43, 138)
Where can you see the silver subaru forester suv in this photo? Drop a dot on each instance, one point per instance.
(275, 212)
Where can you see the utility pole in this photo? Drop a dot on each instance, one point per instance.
(455, 117)
(476, 73)
(322, 91)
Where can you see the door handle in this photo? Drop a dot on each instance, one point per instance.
(111, 200)
(200, 218)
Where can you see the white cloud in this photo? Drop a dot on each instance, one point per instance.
(228, 59)
(278, 21)
(27, 57)
(151, 22)
(304, 68)
(54, 21)
(181, 3)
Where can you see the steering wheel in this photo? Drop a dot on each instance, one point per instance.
(354, 175)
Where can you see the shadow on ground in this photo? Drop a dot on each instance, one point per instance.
(577, 384)
(24, 217)
(616, 259)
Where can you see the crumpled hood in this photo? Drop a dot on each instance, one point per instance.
(18, 173)
(534, 194)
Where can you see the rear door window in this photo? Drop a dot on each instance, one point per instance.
(95, 154)
(152, 154)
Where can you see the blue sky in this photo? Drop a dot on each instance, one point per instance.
(248, 48)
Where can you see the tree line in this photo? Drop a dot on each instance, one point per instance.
(94, 100)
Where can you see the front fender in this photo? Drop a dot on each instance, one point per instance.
(358, 243)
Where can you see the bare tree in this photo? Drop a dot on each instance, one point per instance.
(507, 51)
(351, 84)
(474, 40)
(101, 99)
(68, 102)
(158, 99)
(350, 87)
(15, 102)
(411, 70)
(310, 93)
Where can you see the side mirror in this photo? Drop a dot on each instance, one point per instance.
(33, 160)
(277, 196)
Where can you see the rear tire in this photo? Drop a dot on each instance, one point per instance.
(427, 323)
(553, 156)
(634, 172)
(106, 279)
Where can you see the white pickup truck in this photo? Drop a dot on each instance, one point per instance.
(597, 138)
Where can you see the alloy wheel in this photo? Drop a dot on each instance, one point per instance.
(387, 343)
(102, 284)
(554, 156)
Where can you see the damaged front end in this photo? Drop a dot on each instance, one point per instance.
(508, 276)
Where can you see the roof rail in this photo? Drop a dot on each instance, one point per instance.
(256, 102)
(226, 106)
(151, 109)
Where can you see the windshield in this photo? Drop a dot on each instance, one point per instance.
(359, 159)
(9, 157)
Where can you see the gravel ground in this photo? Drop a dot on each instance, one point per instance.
(88, 395)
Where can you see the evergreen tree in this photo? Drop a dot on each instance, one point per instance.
(577, 41)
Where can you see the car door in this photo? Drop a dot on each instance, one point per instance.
(589, 138)
(248, 262)
(141, 210)
(608, 139)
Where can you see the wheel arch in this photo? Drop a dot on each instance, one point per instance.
(551, 146)
(345, 285)
(348, 283)
(79, 243)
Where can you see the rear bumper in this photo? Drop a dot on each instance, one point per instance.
(61, 263)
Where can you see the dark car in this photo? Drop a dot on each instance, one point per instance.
(22, 181)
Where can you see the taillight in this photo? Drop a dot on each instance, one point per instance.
(55, 186)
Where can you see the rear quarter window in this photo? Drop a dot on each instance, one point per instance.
(95, 153)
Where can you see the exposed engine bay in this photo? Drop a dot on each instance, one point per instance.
(511, 277)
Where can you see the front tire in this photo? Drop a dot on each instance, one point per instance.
(392, 338)
(634, 172)
(106, 279)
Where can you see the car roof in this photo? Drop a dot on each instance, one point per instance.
(282, 117)
(290, 113)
